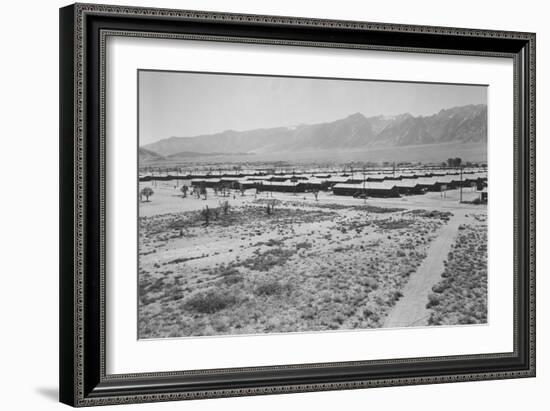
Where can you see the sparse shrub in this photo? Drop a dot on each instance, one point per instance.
(440, 287)
(220, 324)
(381, 210)
(231, 275)
(303, 245)
(308, 313)
(370, 282)
(209, 301)
(394, 296)
(268, 259)
(390, 224)
(156, 286)
(435, 214)
(434, 319)
(233, 279)
(271, 287)
(181, 260)
(339, 319)
(467, 319)
(433, 300)
(272, 242)
(371, 314)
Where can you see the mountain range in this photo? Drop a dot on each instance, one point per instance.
(464, 124)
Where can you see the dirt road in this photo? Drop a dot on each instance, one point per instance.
(411, 309)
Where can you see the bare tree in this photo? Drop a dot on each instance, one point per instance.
(454, 162)
(147, 192)
(206, 215)
(225, 207)
(316, 194)
(183, 190)
(197, 192)
(270, 207)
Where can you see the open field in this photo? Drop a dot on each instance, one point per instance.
(305, 265)
(461, 295)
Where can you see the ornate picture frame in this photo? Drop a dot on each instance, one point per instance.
(84, 30)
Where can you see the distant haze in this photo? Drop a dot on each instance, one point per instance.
(457, 125)
(179, 104)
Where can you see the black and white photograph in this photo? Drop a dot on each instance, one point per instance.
(272, 204)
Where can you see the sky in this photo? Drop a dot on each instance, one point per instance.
(180, 104)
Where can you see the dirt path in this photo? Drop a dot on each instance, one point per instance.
(411, 309)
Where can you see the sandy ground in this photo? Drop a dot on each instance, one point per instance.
(335, 263)
(168, 199)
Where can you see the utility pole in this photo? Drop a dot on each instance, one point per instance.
(461, 183)
(364, 191)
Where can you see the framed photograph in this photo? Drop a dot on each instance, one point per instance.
(261, 204)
